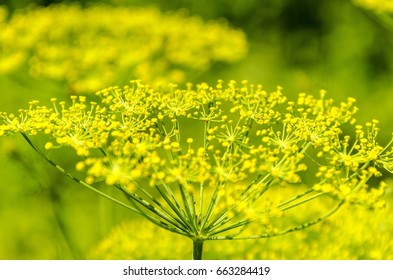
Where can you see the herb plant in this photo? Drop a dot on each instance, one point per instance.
(203, 161)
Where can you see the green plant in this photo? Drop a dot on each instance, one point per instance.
(204, 162)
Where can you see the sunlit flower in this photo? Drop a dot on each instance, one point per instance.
(214, 162)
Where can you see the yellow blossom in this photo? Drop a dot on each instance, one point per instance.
(215, 162)
(95, 45)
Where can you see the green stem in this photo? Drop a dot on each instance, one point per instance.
(189, 206)
(296, 228)
(230, 227)
(295, 198)
(197, 248)
(61, 169)
(175, 208)
(302, 201)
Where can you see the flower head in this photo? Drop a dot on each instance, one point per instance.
(214, 154)
(92, 47)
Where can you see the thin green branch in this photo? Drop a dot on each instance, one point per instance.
(61, 169)
(230, 227)
(302, 201)
(189, 206)
(267, 235)
(213, 202)
(175, 207)
(173, 215)
(217, 221)
(157, 221)
(201, 196)
(295, 198)
(132, 197)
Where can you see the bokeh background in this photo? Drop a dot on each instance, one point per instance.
(301, 45)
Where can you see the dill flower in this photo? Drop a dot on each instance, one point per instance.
(92, 47)
(215, 162)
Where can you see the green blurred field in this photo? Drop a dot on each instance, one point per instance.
(301, 45)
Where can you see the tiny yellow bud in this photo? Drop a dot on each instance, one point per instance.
(175, 145)
(80, 166)
(48, 145)
(89, 180)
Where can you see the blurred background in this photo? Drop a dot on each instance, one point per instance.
(342, 46)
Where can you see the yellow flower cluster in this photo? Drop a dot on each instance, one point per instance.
(206, 162)
(91, 48)
(376, 5)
